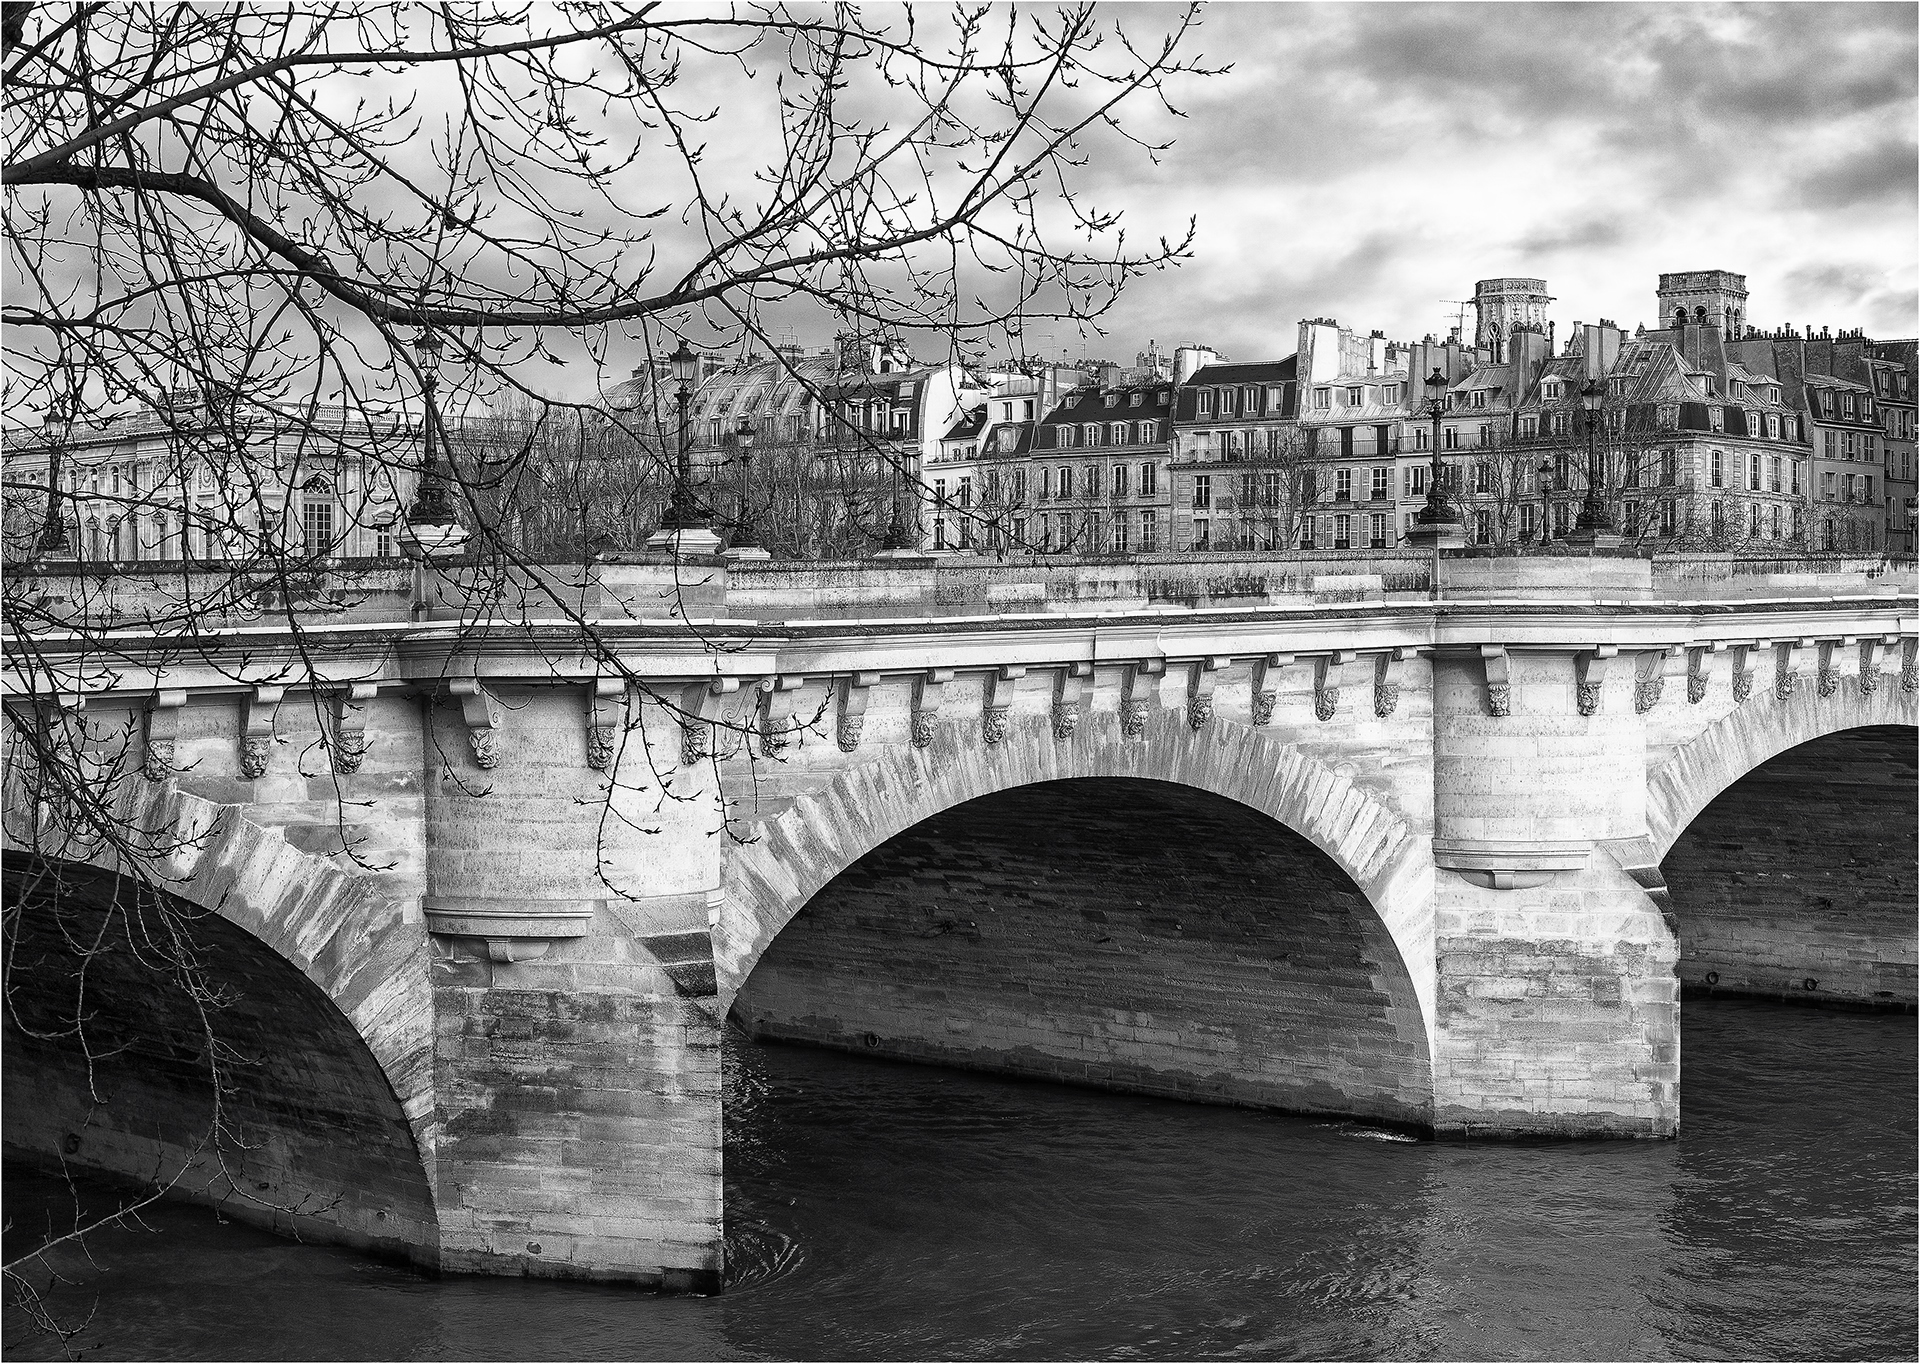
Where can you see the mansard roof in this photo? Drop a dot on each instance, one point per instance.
(1249, 372)
(972, 422)
(1090, 405)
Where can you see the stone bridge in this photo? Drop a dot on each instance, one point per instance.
(485, 864)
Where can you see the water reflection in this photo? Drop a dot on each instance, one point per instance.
(879, 1210)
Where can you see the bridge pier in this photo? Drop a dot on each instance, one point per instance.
(576, 1072)
(1557, 1006)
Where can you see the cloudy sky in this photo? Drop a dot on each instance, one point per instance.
(1367, 161)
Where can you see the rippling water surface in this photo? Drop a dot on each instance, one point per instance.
(878, 1210)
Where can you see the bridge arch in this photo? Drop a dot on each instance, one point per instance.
(1786, 838)
(331, 1013)
(1754, 731)
(1356, 828)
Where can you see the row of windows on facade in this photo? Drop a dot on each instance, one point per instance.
(1129, 532)
(1059, 483)
(131, 480)
(1847, 405)
(1084, 532)
(165, 537)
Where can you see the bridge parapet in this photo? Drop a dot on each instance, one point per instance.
(951, 587)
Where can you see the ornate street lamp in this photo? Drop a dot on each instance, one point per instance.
(681, 512)
(744, 544)
(52, 542)
(1435, 526)
(683, 530)
(1595, 526)
(897, 540)
(430, 529)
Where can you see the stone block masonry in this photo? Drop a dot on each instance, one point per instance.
(1799, 881)
(1124, 934)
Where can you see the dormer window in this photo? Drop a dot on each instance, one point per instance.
(1479, 397)
(1550, 391)
(1111, 399)
(1716, 419)
(1353, 397)
(1133, 399)
(1203, 402)
(1323, 398)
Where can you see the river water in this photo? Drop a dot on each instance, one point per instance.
(880, 1210)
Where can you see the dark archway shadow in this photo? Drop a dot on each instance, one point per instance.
(1128, 934)
(1798, 881)
(310, 1138)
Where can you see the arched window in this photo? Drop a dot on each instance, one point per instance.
(1679, 317)
(1700, 316)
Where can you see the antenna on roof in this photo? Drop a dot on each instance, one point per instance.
(1460, 311)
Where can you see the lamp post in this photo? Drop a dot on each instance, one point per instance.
(432, 528)
(897, 540)
(681, 513)
(744, 544)
(52, 542)
(682, 529)
(1435, 526)
(1595, 526)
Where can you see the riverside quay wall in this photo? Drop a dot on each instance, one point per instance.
(472, 868)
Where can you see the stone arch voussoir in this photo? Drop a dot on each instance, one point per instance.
(1759, 728)
(797, 852)
(340, 930)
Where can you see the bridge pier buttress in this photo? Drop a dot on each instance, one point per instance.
(1557, 1003)
(577, 1071)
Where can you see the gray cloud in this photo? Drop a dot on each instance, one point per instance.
(1883, 172)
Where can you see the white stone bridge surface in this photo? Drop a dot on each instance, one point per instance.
(486, 861)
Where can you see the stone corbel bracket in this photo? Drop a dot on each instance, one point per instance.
(1329, 671)
(776, 711)
(1499, 672)
(699, 710)
(929, 693)
(163, 727)
(1069, 686)
(350, 725)
(256, 735)
(1137, 695)
(1386, 679)
(1510, 864)
(1869, 665)
(1650, 677)
(1266, 690)
(1830, 653)
(998, 700)
(1590, 676)
(1786, 676)
(481, 715)
(1702, 663)
(1909, 675)
(1201, 675)
(851, 716)
(606, 717)
(1746, 664)
(513, 930)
